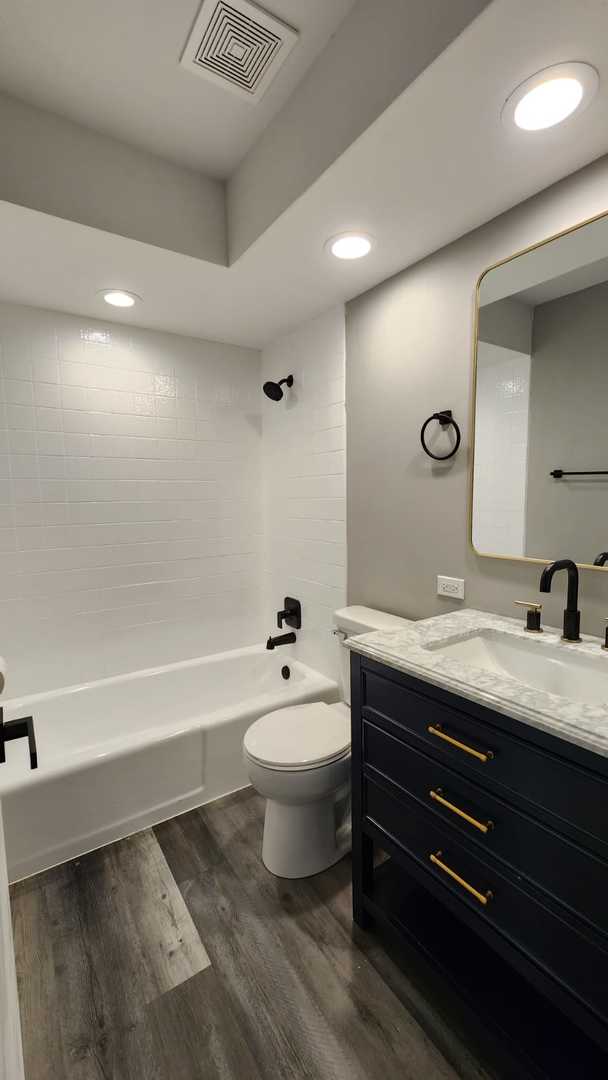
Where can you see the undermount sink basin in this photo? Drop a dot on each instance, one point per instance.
(553, 668)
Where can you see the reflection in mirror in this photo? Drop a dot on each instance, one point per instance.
(540, 475)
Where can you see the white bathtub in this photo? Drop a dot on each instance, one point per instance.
(119, 754)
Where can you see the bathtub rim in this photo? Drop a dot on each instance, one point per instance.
(314, 683)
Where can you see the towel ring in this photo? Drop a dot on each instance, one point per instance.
(446, 419)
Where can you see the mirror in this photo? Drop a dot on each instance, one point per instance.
(540, 469)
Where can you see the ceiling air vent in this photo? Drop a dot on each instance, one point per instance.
(238, 46)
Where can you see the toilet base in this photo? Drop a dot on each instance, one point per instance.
(305, 839)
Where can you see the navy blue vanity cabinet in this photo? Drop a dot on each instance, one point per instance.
(495, 861)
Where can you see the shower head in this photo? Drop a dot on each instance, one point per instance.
(273, 389)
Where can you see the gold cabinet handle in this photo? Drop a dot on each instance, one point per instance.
(483, 898)
(483, 826)
(436, 729)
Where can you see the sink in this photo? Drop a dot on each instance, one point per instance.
(554, 668)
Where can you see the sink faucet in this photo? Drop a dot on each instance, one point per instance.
(572, 616)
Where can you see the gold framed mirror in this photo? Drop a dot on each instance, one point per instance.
(539, 429)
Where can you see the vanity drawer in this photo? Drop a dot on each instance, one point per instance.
(553, 944)
(572, 875)
(573, 795)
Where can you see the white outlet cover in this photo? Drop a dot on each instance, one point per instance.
(450, 587)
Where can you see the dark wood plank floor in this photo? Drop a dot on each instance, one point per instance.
(113, 956)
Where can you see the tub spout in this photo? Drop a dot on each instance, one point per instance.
(282, 639)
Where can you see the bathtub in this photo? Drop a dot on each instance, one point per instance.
(122, 753)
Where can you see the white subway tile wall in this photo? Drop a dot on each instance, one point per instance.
(130, 496)
(304, 482)
(501, 435)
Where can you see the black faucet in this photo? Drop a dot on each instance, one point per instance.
(601, 559)
(572, 616)
(282, 639)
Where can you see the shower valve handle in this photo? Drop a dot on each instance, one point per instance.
(292, 614)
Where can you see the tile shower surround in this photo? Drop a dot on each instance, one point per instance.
(304, 483)
(129, 485)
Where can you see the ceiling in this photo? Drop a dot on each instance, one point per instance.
(566, 284)
(567, 264)
(114, 67)
(437, 163)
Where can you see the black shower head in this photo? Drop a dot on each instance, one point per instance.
(273, 389)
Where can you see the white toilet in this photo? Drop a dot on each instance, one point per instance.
(299, 759)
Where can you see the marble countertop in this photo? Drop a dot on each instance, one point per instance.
(413, 651)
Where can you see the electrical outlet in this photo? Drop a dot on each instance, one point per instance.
(452, 587)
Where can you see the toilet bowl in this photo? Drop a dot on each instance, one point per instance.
(298, 758)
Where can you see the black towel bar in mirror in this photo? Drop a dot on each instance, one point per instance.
(445, 419)
(557, 474)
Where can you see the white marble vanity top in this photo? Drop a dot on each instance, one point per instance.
(416, 649)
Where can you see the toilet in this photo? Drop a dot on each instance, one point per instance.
(298, 758)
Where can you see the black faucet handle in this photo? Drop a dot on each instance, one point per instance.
(533, 617)
(292, 614)
(18, 729)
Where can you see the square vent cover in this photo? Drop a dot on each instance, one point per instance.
(238, 46)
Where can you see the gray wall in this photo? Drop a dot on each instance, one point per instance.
(409, 353)
(508, 323)
(568, 397)
(53, 165)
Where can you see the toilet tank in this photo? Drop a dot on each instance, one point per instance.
(360, 620)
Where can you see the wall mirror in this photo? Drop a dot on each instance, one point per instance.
(540, 469)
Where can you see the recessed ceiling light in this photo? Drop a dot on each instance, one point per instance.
(550, 96)
(120, 298)
(350, 245)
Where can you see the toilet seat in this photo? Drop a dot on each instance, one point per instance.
(300, 737)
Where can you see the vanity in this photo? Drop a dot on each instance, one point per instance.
(486, 789)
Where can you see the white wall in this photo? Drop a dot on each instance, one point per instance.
(501, 450)
(304, 465)
(376, 52)
(130, 526)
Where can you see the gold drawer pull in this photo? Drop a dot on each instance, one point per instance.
(482, 897)
(483, 827)
(435, 729)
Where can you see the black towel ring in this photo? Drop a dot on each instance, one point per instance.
(445, 418)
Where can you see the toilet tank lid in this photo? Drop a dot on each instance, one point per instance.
(361, 620)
